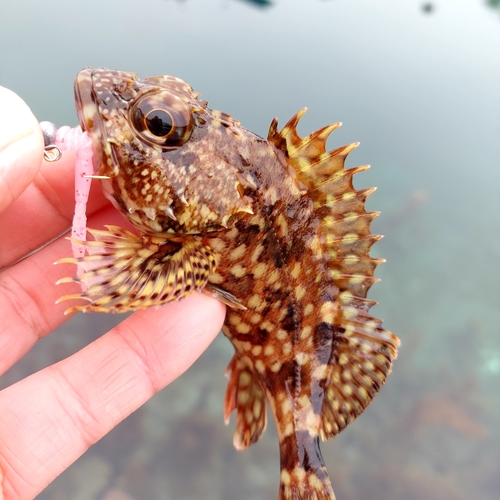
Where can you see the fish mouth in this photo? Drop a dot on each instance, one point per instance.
(87, 109)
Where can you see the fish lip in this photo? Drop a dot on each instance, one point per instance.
(87, 110)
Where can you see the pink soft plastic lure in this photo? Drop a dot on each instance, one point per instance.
(74, 139)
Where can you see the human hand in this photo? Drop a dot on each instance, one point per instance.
(52, 417)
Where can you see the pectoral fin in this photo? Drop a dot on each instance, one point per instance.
(125, 272)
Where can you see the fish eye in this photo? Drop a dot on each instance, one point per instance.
(159, 122)
(162, 119)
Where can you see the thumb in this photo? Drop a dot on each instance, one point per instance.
(21, 147)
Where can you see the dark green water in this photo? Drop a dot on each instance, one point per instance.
(420, 90)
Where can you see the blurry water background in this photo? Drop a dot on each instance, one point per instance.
(418, 83)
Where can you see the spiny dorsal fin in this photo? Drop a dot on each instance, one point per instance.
(308, 155)
(125, 272)
(364, 351)
(346, 236)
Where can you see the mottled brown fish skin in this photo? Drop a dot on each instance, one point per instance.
(274, 228)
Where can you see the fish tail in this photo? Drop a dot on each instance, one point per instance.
(303, 471)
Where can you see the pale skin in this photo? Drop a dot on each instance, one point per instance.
(52, 417)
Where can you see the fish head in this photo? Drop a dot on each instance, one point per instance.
(171, 164)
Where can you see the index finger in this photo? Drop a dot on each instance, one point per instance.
(52, 417)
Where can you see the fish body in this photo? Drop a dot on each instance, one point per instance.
(272, 227)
